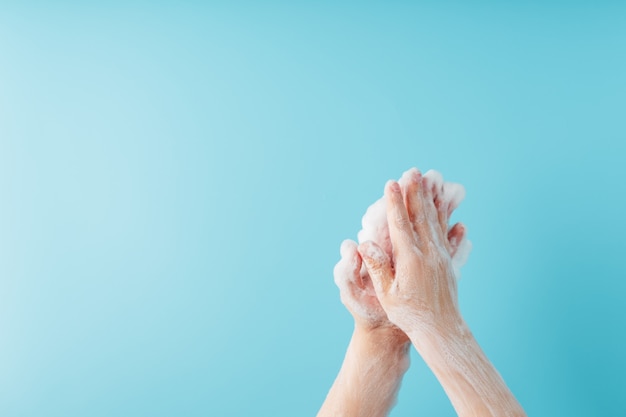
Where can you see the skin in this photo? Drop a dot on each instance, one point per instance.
(378, 354)
(417, 289)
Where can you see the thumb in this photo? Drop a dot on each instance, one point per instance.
(378, 266)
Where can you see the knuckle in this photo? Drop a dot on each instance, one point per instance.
(376, 266)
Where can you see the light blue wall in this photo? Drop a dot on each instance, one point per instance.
(175, 181)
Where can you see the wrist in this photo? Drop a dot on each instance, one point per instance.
(438, 334)
(384, 343)
(385, 336)
(473, 385)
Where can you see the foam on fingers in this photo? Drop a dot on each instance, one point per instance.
(406, 177)
(412, 198)
(348, 248)
(341, 272)
(378, 265)
(453, 193)
(433, 180)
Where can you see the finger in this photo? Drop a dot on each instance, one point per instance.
(410, 193)
(349, 291)
(434, 182)
(455, 236)
(378, 266)
(400, 229)
(348, 249)
(351, 262)
(406, 178)
(417, 209)
(408, 188)
(341, 275)
(431, 228)
(442, 212)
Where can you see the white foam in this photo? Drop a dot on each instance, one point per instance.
(406, 177)
(453, 193)
(375, 228)
(434, 180)
(355, 289)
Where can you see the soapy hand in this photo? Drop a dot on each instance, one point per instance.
(446, 195)
(416, 286)
(399, 283)
(356, 290)
(352, 277)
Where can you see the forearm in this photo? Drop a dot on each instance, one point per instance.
(472, 383)
(370, 377)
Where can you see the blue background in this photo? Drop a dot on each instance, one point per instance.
(175, 181)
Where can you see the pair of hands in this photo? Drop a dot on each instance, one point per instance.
(400, 284)
(402, 276)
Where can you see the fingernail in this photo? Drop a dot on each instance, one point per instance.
(395, 187)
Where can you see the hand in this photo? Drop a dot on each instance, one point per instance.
(416, 286)
(447, 197)
(356, 289)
